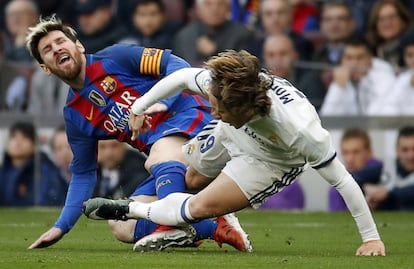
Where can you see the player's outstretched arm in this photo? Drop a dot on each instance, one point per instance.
(48, 238)
(186, 78)
(371, 248)
(336, 174)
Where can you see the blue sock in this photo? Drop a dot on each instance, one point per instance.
(204, 229)
(170, 177)
(142, 228)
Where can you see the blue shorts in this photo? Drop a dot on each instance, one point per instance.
(186, 123)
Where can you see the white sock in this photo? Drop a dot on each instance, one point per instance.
(167, 211)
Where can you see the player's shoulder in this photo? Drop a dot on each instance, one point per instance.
(125, 54)
(119, 50)
(127, 49)
(284, 92)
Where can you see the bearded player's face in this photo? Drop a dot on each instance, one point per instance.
(61, 56)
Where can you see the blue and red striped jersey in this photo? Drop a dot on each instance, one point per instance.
(114, 78)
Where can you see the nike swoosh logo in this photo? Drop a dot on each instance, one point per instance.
(90, 116)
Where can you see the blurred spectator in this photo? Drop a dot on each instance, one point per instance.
(98, 26)
(360, 10)
(120, 170)
(358, 159)
(290, 198)
(151, 28)
(396, 190)
(176, 11)
(17, 93)
(55, 173)
(47, 94)
(17, 174)
(337, 25)
(280, 58)
(20, 15)
(305, 17)
(276, 18)
(401, 97)
(61, 151)
(389, 19)
(180, 12)
(212, 34)
(360, 84)
(246, 12)
(65, 10)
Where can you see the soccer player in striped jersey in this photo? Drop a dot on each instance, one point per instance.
(268, 133)
(103, 87)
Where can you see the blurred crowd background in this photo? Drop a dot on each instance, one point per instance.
(353, 59)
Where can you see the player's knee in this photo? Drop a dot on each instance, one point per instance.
(123, 230)
(195, 181)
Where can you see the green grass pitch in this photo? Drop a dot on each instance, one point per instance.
(280, 240)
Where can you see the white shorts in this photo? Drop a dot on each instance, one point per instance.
(211, 153)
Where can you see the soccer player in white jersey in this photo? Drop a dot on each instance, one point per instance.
(266, 135)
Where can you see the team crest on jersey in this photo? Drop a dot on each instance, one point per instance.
(97, 98)
(206, 85)
(108, 85)
(273, 138)
(149, 52)
(190, 149)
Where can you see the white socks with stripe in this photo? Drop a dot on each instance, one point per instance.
(170, 210)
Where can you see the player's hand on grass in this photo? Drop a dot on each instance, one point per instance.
(48, 238)
(371, 248)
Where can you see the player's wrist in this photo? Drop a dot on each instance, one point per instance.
(137, 108)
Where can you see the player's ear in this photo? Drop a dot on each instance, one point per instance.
(46, 69)
(80, 47)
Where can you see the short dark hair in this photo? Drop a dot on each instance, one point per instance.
(357, 133)
(336, 3)
(26, 128)
(406, 131)
(358, 41)
(159, 3)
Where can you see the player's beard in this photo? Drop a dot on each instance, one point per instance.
(71, 73)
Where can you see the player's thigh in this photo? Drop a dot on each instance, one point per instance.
(220, 197)
(166, 149)
(257, 179)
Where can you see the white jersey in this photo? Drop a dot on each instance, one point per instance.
(267, 153)
(401, 97)
(291, 135)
